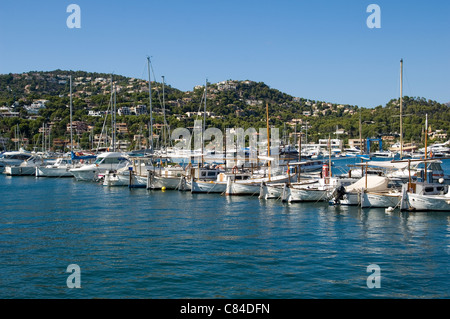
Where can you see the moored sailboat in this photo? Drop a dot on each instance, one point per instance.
(106, 161)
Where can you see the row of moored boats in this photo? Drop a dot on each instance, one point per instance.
(407, 185)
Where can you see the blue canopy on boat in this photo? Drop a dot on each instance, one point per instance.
(77, 156)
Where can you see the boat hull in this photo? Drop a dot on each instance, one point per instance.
(86, 175)
(20, 170)
(305, 195)
(115, 179)
(53, 172)
(207, 187)
(243, 189)
(349, 199)
(272, 191)
(253, 187)
(160, 182)
(381, 200)
(429, 202)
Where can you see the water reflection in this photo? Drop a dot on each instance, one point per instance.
(174, 244)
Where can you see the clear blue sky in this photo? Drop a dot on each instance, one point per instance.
(320, 50)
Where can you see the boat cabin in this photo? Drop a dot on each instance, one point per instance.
(428, 188)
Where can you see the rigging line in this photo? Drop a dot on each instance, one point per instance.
(407, 84)
(154, 76)
(200, 107)
(159, 95)
(196, 118)
(103, 127)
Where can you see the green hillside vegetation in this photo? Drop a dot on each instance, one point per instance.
(232, 103)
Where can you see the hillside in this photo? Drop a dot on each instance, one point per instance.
(37, 99)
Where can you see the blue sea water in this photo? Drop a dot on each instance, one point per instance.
(152, 244)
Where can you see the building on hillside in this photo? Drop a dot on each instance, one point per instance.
(78, 127)
(139, 109)
(124, 110)
(334, 144)
(122, 128)
(227, 86)
(357, 143)
(60, 143)
(96, 113)
(192, 114)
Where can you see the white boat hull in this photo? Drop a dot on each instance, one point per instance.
(108, 161)
(53, 172)
(207, 186)
(86, 175)
(381, 200)
(429, 202)
(115, 179)
(253, 187)
(350, 199)
(243, 189)
(305, 195)
(159, 182)
(20, 170)
(272, 191)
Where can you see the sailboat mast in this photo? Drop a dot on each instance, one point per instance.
(71, 130)
(112, 114)
(43, 138)
(426, 136)
(300, 144)
(268, 136)
(204, 121)
(150, 104)
(401, 108)
(329, 154)
(115, 114)
(360, 135)
(164, 115)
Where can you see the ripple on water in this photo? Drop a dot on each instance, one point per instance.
(152, 244)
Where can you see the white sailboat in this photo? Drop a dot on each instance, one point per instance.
(406, 171)
(352, 195)
(381, 199)
(26, 168)
(425, 196)
(313, 192)
(252, 186)
(19, 162)
(63, 165)
(61, 168)
(107, 161)
(133, 175)
(169, 177)
(371, 198)
(13, 158)
(204, 178)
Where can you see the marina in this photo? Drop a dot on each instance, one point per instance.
(153, 243)
(218, 155)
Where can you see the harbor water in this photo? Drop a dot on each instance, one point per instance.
(137, 243)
